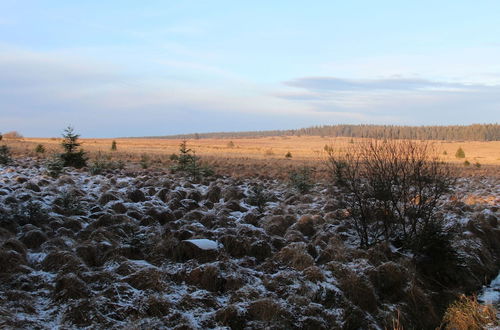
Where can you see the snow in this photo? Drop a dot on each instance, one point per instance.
(204, 244)
(491, 294)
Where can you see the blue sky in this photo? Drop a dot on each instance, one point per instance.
(131, 68)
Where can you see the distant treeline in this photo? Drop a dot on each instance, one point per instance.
(476, 132)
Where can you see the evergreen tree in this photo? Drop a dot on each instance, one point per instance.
(460, 153)
(72, 157)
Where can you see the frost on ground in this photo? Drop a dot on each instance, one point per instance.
(151, 250)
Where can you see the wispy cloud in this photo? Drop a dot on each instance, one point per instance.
(397, 99)
(391, 84)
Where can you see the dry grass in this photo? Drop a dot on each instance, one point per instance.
(251, 156)
(467, 314)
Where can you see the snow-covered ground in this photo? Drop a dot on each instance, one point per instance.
(148, 249)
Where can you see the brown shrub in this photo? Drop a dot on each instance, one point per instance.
(34, 238)
(278, 224)
(419, 309)
(261, 250)
(11, 260)
(155, 305)
(82, 313)
(314, 274)
(466, 313)
(64, 261)
(306, 225)
(236, 246)
(390, 280)
(14, 244)
(146, 279)
(232, 316)
(70, 286)
(295, 255)
(89, 254)
(356, 288)
(265, 309)
(207, 277)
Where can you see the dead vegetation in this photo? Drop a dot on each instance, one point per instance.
(466, 314)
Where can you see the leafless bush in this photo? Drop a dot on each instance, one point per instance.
(392, 188)
(13, 135)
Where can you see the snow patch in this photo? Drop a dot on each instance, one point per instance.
(204, 244)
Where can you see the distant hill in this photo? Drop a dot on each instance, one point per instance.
(475, 132)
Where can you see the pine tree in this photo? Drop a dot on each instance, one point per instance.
(72, 157)
(460, 153)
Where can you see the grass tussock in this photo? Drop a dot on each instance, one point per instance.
(467, 313)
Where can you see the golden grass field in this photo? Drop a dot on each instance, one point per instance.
(261, 155)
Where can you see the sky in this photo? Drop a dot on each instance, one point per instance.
(144, 68)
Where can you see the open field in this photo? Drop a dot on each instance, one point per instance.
(259, 156)
(302, 148)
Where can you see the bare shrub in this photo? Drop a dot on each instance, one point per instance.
(12, 135)
(392, 188)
